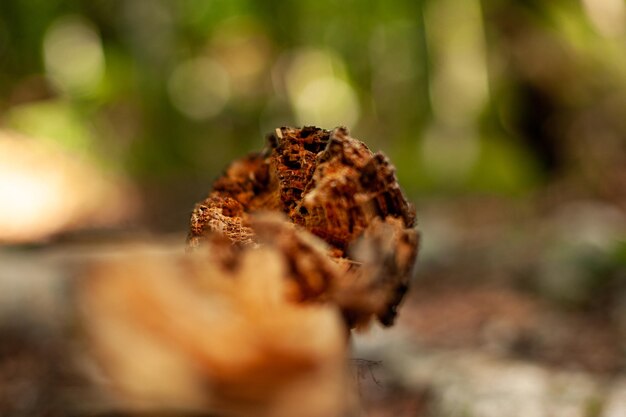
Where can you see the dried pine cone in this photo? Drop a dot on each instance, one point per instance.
(354, 242)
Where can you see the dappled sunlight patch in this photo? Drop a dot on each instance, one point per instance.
(45, 190)
(199, 88)
(315, 83)
(73, 55)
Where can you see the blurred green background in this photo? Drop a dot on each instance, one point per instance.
(495, 97)
(505, 119)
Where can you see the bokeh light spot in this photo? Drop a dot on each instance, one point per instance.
(73, 55)
(316, 86)
(459, 86)
(46, 190)
(199, 88)
(327, 102)
(607, 16)
(242, 46)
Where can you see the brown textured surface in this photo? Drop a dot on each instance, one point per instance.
(333, 188)
(219, 326)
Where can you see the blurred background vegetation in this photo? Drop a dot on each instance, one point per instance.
(490, 97)
(506, 121)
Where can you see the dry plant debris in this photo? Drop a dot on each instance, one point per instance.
(294, 246)
(189, 332)
(339, 215)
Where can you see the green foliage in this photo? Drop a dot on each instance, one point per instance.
(449, 92)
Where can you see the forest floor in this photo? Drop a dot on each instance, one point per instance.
(513, 312)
